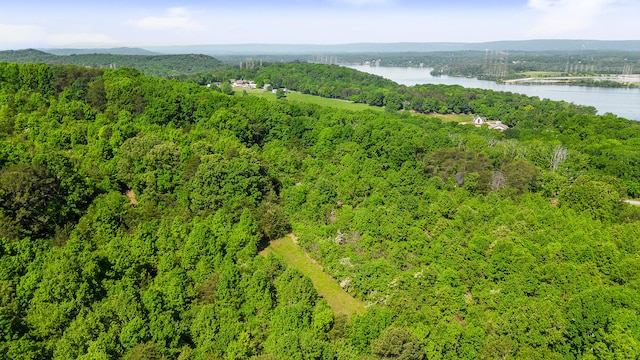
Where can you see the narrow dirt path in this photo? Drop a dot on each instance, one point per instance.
(132, 196)
(632, 202)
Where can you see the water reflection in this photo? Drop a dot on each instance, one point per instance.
(620, 101)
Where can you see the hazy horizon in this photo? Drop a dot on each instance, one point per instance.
(143, 45)
(71, 23)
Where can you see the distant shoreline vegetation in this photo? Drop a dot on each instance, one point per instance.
(602, 81)
(589, 82)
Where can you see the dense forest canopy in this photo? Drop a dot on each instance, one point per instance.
(157, 65)
(113, 51)
(133, 209)
(607, 142)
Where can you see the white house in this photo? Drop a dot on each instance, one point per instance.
(479, 120)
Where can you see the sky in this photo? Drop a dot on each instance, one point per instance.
(112, 23)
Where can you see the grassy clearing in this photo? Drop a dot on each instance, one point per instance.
(311, 99)
(334, 103)
(540, 74)
(453, 117)
(256, 92)
(327, 287)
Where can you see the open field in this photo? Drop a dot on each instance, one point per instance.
(453, 117)
(334, 103)
(341, 302)
(539, 74)
(311, 99)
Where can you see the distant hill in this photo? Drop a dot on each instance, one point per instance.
(113, 51)
(22, 56)
(297, 49)
(159, 65)
(559, 45)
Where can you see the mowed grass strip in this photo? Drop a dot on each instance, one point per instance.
(540, 74)
(452, 117)
(334, 103)
(326, 286)
(312, 99)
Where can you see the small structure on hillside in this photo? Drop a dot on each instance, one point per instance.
(479, 120)
(241, 83)
(498, 125)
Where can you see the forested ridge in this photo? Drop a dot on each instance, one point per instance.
(156, 65)
(464, 242)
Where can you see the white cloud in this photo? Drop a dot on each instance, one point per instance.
(22, 36)
(567, 17)
(178, 18)
(178, 11)
(79, 39)
(390, 25)
(17, 34)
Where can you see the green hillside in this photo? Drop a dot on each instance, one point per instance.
(157, 65)
(113, 51)
(133, 210)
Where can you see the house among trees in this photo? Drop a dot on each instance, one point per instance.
(498, 125)
(243, 83)
(479, 120)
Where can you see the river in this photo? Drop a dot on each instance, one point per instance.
(620, 101)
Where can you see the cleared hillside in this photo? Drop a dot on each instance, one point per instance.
(341, 302)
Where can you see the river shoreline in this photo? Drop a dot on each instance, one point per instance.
(623, 102)
(604, 81)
